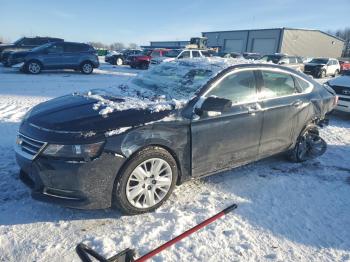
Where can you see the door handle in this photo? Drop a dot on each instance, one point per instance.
(252, 109)
(297, 103)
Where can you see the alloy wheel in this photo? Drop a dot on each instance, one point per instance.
(34, 68)
(149, 183)
(119, 61)
(87, 68)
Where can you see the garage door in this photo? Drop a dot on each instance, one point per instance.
(264, 46)
(233, 45)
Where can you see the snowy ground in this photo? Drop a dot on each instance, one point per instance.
(286, 211)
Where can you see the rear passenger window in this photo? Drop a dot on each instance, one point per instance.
(302, 84)
(292, 60)
(71, 48)
(238, 87)
(277, 84)
(195, 54)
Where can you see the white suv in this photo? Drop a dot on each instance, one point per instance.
(173, 54)
(322, 67)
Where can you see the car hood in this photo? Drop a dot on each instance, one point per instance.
(84, 113)
(343, 81)
(19, 54)
(314, 64)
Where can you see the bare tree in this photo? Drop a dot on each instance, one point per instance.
(117, 46)
(133, 46)
(98, 45)
(345, 35)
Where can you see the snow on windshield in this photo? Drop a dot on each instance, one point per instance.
(163, 87)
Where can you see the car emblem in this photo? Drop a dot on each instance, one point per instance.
(346, 92)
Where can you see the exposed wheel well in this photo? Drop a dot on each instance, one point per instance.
(85, 61)
(169, 150)
(35, 60)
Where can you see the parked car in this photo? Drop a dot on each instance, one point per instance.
(22, 44)
(230, 55)
(187, 119)
(322, 67)
(173, 54)
(59, 55)
(341, 85)
(294, 62)
(344, 66)
(143, 59)
(119, 57)
(251, 56)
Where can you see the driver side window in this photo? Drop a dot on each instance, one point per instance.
(238, 87)
(54, 49)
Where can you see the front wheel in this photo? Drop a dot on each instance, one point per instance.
(118, 61)
(336, 73)
(323, 74)
(33, 67)
(146, 182)
(309, 146)
(86, 68)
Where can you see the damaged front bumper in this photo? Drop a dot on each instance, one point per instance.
(84, 185)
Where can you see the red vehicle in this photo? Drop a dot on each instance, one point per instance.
(344, 66)
(143, 59)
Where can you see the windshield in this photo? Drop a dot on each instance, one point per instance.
(146, 52)
(172, 53)
(38, 48)
(173, 80)
(271, 58)
(319, 61)
(18, 41)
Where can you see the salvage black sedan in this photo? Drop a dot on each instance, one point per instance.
(128, 147)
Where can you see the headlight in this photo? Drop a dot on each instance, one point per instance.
(74, 151)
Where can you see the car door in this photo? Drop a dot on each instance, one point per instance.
(71, 55)
(231, 138)
(52, 56)
(330, 67)
(184, 54)
(283, 106)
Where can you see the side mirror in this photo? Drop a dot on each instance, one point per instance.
(214, 104)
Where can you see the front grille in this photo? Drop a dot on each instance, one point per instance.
(31, 147)
(341, 90)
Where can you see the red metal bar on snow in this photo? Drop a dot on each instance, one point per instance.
(186, 233)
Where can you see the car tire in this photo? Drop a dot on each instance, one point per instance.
(86, 68)
(144, 66)
(118, 61)
(323, 74)
(309, 145)
(136, 191)
(33, 67)
(336, 73)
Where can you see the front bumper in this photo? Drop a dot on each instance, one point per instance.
(83, 185)
(343, 104)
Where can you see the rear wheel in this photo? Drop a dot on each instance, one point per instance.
(146, 182)
(33, 67)
(86, 68)
(309, 146)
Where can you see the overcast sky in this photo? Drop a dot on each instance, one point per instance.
(143, 21)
